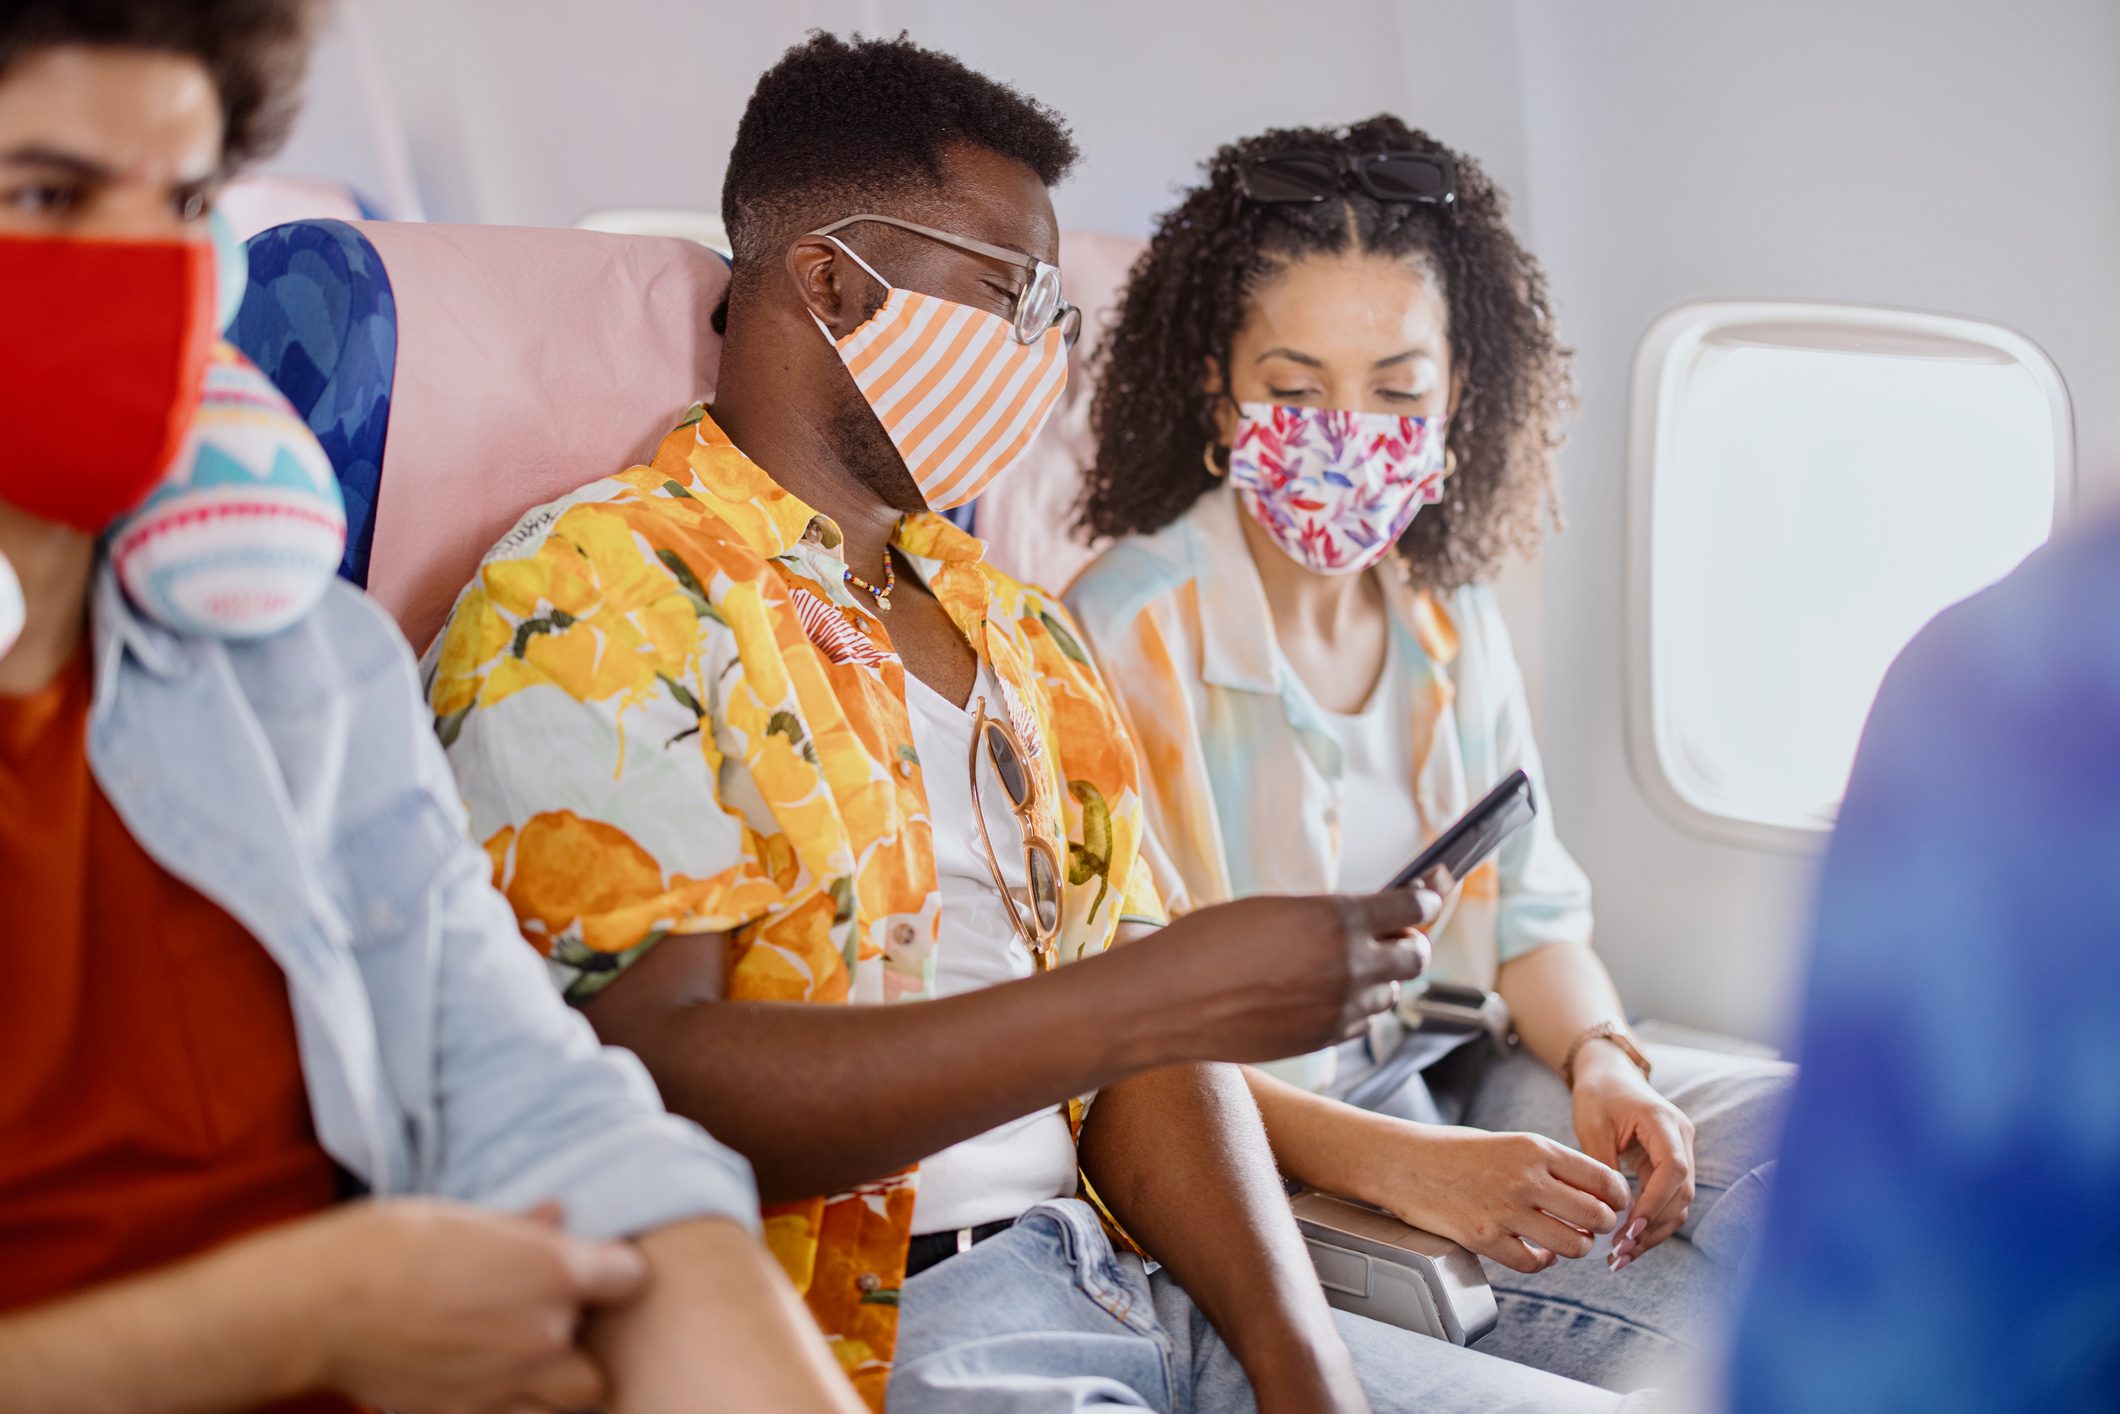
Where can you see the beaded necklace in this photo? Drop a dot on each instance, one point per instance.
(881, 593)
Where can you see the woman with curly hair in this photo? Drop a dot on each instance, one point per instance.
(1326, 416)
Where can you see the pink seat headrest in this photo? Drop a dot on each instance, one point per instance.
(529, 363)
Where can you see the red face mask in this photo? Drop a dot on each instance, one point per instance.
(102, 352)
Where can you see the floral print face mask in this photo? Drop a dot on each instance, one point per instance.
(1335, 488)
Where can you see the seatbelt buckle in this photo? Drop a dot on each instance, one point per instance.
(1448, 1008)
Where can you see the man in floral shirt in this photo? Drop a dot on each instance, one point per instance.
(763, 753)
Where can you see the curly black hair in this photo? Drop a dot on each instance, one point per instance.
(1188, 295)
(837, 124)
(256, 51)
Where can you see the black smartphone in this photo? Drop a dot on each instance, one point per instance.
(1458, 850)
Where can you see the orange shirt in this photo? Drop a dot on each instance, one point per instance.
(151, 1096)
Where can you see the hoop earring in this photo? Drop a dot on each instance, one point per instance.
(1216, 469)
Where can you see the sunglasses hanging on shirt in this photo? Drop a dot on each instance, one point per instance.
(1041, 857)
(1300, 176)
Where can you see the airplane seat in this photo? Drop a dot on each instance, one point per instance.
(460, 375)
(1026, 519)
(318, 318)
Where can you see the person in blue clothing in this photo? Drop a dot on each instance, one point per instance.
(1943, 1233)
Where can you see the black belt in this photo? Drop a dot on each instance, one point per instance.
(930, 1249)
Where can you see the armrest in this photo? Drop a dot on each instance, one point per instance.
(1372, 1264)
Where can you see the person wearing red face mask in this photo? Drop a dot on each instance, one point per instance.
(288, 1116)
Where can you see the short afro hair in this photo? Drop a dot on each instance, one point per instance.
(838, 124)
(256, 51)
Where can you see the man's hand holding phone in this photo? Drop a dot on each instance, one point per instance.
(1262, 978)
(1267, 977)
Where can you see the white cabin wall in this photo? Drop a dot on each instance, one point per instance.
(1945, 156)
(1153, 89)
(349, 129)
(536, 111)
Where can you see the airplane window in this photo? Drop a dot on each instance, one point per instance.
(1810, 485)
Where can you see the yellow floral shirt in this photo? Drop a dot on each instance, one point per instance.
(668, 714)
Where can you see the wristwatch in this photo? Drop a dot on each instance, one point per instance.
(1611, 1031)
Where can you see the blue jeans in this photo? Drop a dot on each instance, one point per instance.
(1578, 1319)
(1046, 1318)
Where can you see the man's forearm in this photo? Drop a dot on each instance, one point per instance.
(821, 1098)
(1180, 1157)
(218, 1332)
(719, 1323)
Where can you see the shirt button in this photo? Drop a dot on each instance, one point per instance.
(905, 767)
(902, 935)
(868, 1281)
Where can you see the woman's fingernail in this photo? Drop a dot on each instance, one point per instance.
(1636, 1228)
(1620, 1265)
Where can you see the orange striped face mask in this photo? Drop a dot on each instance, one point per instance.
(960, 397)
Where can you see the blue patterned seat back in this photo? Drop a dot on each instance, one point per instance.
(319, 319)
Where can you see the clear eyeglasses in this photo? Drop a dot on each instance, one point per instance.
(1039, 306)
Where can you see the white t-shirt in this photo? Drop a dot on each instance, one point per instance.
(1380, 832)
(1003, 1172)
(1380, 826)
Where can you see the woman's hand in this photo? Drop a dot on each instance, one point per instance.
(1521, 1199)
(1619, 1114)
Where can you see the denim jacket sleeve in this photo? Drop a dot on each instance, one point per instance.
(532, 1107)
(295, 780)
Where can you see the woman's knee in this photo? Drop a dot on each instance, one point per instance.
(1737, 1116)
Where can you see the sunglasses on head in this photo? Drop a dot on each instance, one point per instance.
(1293, 177)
